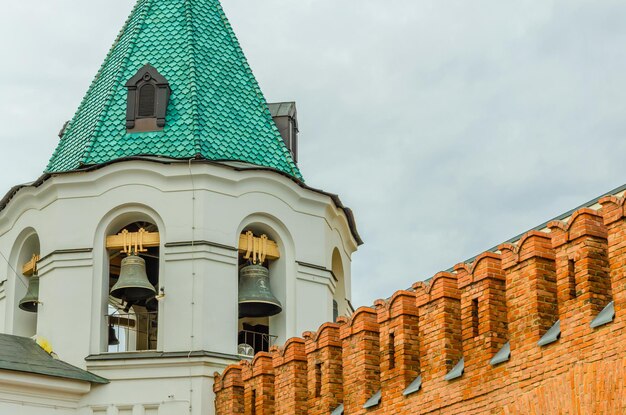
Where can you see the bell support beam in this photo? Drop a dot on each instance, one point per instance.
(262, 248)
(30, 267)
(128, 242)
(249, 245)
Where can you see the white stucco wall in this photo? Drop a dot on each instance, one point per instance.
(27, 394)
(208, 204)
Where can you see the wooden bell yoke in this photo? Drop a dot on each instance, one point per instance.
(256, 249)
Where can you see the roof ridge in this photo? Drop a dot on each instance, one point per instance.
(257, 89)
(120, 72)
(193, 85)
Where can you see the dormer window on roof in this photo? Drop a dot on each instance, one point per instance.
(148, 96)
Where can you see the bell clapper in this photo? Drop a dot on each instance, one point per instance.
(161, 295)
(127, 306)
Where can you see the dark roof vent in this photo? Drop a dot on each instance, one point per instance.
(286, 119)
(148, 97)
(146, 101)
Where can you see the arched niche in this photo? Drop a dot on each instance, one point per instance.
(340, 301)
(131, 217)
(26, 245)
(281, 272)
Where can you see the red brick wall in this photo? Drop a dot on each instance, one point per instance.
(399, 345)
(324, 353)
(290, 371)
(361, 359)
(569, 272)
(229, 391)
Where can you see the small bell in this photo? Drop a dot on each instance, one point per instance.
(133, 284)
(113, 340)
(255, 296)
(31, 299)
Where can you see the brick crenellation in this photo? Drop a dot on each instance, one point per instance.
(567, 273)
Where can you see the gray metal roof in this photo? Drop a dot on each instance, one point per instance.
(282, 109)
(539, 227)
(545, 224)
(22, 354)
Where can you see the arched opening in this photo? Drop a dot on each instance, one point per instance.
(133, 282)
(262, 292)
(340, 302)
(25, 301)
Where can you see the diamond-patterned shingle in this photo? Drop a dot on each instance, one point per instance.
(216, 109)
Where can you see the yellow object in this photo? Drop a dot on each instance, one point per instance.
(45, 344)
(30, 267)
(133, 242)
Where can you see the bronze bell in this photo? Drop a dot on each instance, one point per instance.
(133, 284)
(113, 340)
(255, 297)
(31, 299)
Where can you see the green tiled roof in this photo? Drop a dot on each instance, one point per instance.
(21, 354)
(216, 111)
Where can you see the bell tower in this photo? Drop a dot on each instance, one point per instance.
(172, 232)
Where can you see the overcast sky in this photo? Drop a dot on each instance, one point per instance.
(448, 126)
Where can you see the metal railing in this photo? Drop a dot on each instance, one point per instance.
(258, 342)
(130, 332)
